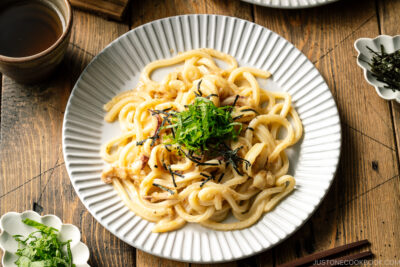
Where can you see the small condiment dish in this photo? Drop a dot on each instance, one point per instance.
(11, 224)
(35, 68)
(391, 44)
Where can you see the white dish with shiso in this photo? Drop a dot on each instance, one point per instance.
(313, 161)
(11, 224)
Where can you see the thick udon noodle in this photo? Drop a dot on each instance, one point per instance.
(134, 168)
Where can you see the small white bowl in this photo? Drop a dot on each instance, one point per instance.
(11, 224)
(390, 44)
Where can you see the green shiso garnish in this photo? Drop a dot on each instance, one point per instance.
(203, 126)
(42, 248)
(201, 132)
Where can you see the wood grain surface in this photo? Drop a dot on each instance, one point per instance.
(353, 209)
(388, 24)
(33, 175)
(363, 201)
(114, 9)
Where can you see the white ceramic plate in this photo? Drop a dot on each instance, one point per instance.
(290, 4)
(11, 224)
(313, 160)
(391, 44)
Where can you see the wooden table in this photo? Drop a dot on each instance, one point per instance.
(364, 200)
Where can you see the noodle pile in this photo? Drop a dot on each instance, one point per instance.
(163, 182)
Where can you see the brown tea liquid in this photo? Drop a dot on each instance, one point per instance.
(27, 27)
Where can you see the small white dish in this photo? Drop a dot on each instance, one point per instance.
(11, 224)
(391, 44)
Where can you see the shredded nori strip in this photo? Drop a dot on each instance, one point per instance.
(164, 188)
(168, 168)
(164, 165)
(157, 133)
(220, 178)
(249, 128)
(205, 175)
(198, 88)
(141, 142)
(236, 99)
(386, 68)
(159, 112)
(212, 95)
(237, 117)
(172, 130)
(234, 103)
(231, 156)
(249, 109)
(209, 177)
(207, 164)
(178, 174)
(193, 156)
(195, 160)
(188, 156)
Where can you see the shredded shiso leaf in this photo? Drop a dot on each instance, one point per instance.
(203, 125)
(42, 248)
(201, 131)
